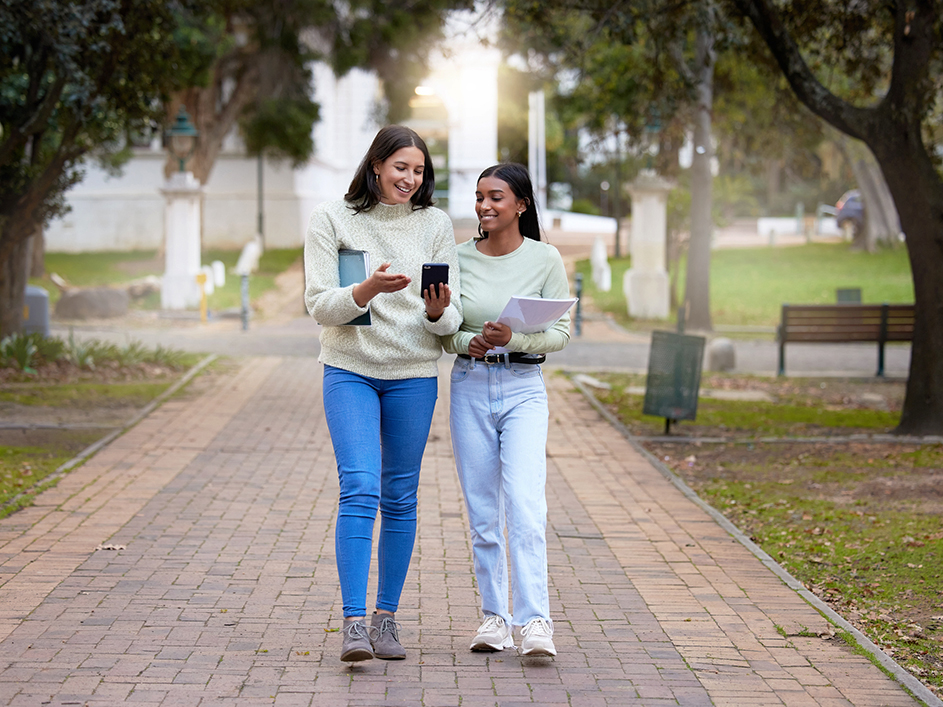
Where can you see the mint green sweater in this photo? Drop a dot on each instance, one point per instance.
(401, 342)
(535, 269)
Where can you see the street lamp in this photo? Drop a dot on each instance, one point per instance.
(182, 137)
(652, 129)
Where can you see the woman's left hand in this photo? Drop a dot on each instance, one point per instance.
(436, 303)
(496, 334)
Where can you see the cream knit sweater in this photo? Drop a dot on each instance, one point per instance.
(401, 342)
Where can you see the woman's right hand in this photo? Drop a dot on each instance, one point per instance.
(478, 347)
(379, 281)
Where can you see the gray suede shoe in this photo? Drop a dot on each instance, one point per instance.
(385, 637)
(356, 644)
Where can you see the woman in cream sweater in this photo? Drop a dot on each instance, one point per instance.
(380, 380)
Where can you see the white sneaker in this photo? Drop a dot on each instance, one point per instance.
(493, 635)
(538, 638)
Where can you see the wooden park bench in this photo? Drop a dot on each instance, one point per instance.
(845, 323)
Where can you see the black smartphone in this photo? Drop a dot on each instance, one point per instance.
(434, 274)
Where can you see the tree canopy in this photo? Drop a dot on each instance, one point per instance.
(75, 78)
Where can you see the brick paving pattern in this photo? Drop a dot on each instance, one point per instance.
(225, 591)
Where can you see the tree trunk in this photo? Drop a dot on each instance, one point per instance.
(14, 265)
(37, 258)
(922, 221)
(774, 172)
(881, 218)
(697, 283)
(215, 110)
(881, 222)
(893, 130)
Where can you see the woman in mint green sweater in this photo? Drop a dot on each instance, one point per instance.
(380, 380)
(498, 410)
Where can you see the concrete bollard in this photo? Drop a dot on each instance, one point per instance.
(721, 355)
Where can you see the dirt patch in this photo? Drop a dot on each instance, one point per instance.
(872, 477)
(870, 394)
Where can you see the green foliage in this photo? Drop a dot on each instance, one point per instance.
(75, 78)
(29, 351)
(19, 349)
(80, 353)
(282, 128)
(584, 206)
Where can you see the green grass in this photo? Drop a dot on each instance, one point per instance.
(22, 468)
(271, 264)
(85, 395)
(881, 565)
(789, 417)
(112, 268)
(749, 286)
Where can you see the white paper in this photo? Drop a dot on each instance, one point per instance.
(532, 315)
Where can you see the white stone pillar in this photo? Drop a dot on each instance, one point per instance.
(468, 86)
(645, 284)
(179, 289)
(537, 146)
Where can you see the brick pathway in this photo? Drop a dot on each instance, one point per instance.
(223, 590)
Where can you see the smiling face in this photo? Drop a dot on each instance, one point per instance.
(497, 206)
(399, 176)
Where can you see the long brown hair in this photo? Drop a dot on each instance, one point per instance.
(364, 192)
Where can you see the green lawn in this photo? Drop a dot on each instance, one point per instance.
(111, 269)
(748, 286)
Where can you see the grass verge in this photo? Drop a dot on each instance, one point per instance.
(24, 467)
(58, 400)
(859, 522)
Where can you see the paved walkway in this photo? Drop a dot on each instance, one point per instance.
(191, 562)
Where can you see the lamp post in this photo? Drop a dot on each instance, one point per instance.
(182, 220)
(652, 130)
(182, 137)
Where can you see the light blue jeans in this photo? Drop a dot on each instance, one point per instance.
(498, 419)
(379, 430)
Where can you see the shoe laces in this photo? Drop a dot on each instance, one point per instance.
(492, 623)
(357, 629)
(387, 625)
(538, 627)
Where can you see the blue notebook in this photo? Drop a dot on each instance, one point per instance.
(353, 266)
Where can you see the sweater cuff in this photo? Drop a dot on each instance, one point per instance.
(447, 324)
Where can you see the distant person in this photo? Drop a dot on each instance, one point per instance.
(499, 412)
(380, 381)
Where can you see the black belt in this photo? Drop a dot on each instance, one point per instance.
(508, 357)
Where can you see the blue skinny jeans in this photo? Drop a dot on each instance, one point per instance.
(379, 430)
